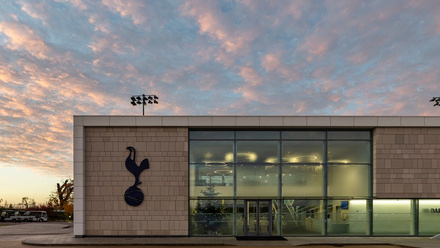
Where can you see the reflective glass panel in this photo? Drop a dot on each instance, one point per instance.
(211, 135)
(393, 217)
(347, 217)
(211, 180)
(303, 151)
(259, 217)
(304, 135)
(211, 152)
(257, 152)
(240, 217)
(349, 135)
(276, 217)
(349, 152)
(265, 217)
(302, 217)
(302, 180)
(258, 135)
(212, 217)
(257, 180)
(348, 180)
(252, 217)
(429, 217)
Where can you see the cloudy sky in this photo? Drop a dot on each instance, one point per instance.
(87, 57)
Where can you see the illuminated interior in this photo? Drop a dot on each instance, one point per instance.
(294, 183)
(280, 168)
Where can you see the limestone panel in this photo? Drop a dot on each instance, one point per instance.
(162, 212)
(406, 162)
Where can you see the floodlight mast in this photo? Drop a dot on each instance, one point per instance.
(436, 99)
(144, 100)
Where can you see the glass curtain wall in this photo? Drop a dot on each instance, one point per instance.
(429, 217)
(307, 176)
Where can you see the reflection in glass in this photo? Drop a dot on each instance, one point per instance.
(302, 217)
(252, 217)
(257, 180)
(211, 135)
(211, 180)
(349, 135)
(276, 217)
(349, 152)
(257, 135)
(348, 180)
(304, 135)
(303, 151)
(262, 163)
(347, 217)
(265, 217)
(240, 205)
(213, 152)
(429, 217)
(257, 152)
(259, 217)
(212, 217)
(302, 180)
(393, 217)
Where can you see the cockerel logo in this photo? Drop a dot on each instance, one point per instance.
(133, 196)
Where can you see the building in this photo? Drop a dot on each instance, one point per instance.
(256, 176)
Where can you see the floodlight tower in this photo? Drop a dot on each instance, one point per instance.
(144, 100)
(436, 99)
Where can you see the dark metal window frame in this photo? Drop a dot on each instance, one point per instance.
(280, 197)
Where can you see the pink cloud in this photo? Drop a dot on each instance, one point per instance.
(21, 37)
(251, 94)
(35, 10)
(357, 58)
(81, 4)
(251, 76)
(7, 75)
(435, 28)
(99, 44)
(270, 62)
(133, 9)
(218, 26)
(99, 23)
(316, 45)
(240, 54)
(208, 18)
(296, 8)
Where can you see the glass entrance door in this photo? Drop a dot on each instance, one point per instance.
(258, 218)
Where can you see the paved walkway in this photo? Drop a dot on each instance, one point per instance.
(60, 234)
(64, 240)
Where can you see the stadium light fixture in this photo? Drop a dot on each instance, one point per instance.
(144, 100)
(436, 100)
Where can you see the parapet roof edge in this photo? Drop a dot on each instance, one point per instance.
(418, 116)
(213, 121)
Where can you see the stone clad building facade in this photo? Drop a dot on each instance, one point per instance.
(165, 208)
(407, 161)
(257, 176)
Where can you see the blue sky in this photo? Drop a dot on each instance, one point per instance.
(76, 57)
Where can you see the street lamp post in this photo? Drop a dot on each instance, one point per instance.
(436, 99)
(144, 100)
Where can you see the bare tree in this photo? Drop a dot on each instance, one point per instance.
(63, 196)
(24, 202)
(27, 202)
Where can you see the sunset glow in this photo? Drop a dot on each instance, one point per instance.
(62, 58)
